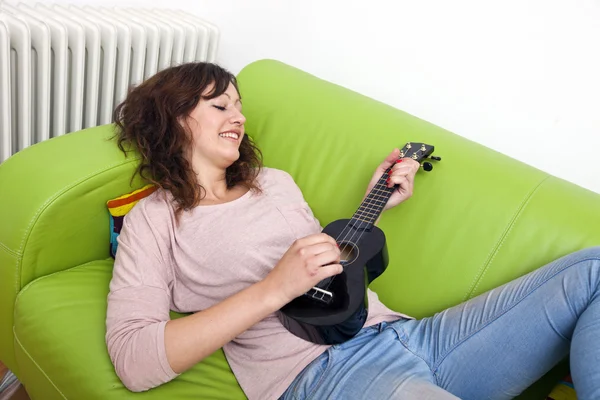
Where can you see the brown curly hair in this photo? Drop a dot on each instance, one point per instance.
(147, 120)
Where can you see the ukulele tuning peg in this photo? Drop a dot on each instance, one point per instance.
(427, 166)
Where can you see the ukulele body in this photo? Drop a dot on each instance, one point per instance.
(336, 308)
(364, 257)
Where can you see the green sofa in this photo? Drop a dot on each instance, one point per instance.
(477, 220)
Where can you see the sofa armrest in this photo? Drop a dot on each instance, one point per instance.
(53, 213)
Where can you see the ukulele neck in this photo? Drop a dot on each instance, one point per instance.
(372, 206)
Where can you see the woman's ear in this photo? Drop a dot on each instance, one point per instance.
(181, 120)
(184, 122)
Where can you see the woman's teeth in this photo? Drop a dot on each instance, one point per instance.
(229, 135)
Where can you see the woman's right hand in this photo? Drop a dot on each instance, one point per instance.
(304, 264)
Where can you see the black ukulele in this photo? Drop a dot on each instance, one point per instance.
(336, 308)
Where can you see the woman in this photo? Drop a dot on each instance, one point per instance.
(231, 241)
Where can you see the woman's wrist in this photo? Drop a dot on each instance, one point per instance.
(272, 294)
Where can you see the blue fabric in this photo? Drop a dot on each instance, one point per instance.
(493, 346)
(114, 234)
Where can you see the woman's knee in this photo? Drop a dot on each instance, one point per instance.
(587, 262)
(589, 253)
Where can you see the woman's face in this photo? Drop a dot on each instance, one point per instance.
(217, 127)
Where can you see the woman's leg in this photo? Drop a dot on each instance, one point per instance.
(372, 365)
(496, 345)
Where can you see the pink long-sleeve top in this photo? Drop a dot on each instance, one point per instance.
(215, 252)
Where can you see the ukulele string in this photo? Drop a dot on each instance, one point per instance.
(384, 190)
(376, 188)
(379, 189)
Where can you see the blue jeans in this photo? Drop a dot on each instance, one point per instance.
(493, 346)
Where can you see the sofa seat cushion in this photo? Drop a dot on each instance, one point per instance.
(60, 333)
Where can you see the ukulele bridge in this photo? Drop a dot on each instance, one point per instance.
(321, 295)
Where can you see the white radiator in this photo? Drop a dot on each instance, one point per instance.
(65, 67)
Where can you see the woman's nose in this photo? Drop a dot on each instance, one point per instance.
(238, 117)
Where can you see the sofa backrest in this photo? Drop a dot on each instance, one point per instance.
(477, 220)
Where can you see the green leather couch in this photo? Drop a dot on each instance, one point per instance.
(477, 220)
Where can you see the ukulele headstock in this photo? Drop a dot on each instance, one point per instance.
(418, 152)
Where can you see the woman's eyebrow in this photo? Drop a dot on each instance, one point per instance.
(237, 101)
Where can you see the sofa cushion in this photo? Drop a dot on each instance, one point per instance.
(119, 207)
(60, 332)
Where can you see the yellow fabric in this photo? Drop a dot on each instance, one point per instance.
(121, 210)
(563, 392)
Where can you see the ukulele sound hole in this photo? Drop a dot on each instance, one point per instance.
(349, 253)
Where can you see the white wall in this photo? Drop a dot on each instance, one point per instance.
(519, 76)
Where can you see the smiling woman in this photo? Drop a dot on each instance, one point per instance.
(187, 125)
(222, 238)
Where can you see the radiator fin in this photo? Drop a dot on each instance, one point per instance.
(65, 67)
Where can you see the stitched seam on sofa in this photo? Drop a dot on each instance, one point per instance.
(36, 364)
(14, 316)
(513, 224)
(478, 277)
(505, 236)
(9, 251)
(26, 287)
(503, 312)
(47, 203)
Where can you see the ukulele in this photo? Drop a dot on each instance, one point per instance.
(336, 308)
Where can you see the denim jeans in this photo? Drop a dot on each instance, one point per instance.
(493, 346)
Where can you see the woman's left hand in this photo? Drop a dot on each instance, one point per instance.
(402, 174)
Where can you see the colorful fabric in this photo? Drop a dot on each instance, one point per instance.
(119, 207)
(564, 390)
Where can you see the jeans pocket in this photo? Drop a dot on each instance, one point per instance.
(397, 326)
(312, 376)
